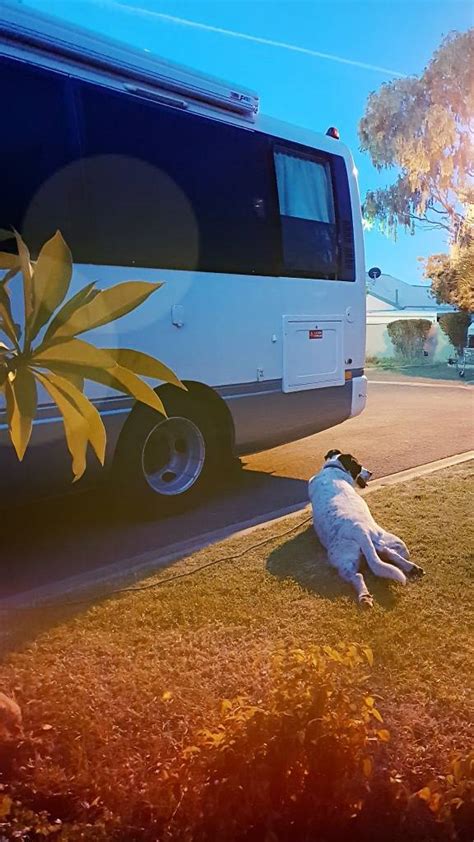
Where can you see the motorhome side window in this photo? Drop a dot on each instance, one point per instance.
(175, 190)
(40, 189)
(307, 212)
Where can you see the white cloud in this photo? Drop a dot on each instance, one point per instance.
(134, 10)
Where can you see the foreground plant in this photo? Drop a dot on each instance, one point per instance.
(59, 361)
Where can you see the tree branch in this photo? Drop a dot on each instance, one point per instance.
(448, 208)
(434, 222)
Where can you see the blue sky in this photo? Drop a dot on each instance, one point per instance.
(392, 36)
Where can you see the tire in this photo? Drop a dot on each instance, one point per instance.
(166, 465)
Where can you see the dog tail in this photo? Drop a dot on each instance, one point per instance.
(377, 566)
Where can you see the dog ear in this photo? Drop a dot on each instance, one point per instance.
(331, 453)
(351, 465)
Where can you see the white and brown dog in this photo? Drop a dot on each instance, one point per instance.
(345, 527)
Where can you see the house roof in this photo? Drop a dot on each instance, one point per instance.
(399, 294)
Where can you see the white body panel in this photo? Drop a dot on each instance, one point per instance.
(313, 352)
(231, 325)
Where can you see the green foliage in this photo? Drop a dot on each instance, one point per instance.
(34, 825)
(304, 763)
(408, 336)
(422, 127)
(60, 361)
(452, 276)
(451, 800)
(455, 326)
(301, 758)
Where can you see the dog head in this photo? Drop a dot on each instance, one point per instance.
(349, 463)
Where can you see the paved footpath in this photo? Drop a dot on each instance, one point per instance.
(405, 424)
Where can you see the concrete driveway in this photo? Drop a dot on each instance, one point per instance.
(408, 422)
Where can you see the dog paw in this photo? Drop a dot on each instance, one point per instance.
(366, 601)
(416, 572)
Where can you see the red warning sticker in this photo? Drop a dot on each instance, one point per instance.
(315, 334)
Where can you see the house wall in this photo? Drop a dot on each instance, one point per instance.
(379, 344)
(375, 304)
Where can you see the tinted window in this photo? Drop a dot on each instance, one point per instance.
(40, 189)
(316, 219)
(170, 189)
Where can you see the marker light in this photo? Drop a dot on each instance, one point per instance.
(333, 132)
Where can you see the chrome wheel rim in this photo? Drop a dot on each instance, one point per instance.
(173, 456)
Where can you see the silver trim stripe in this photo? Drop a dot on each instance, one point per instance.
(229, 392)
(251, 394)
(56, 419)
(240, 390)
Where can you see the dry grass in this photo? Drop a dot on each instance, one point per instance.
(128, 681)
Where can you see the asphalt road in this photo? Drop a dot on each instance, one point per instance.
(408, 422)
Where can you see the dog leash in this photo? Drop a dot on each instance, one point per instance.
(170, 579)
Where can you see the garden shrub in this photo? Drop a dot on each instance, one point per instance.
(408, 336)
(300, 761)
(455, 326)
(309, 762)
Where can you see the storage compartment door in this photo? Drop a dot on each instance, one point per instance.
(312, 352)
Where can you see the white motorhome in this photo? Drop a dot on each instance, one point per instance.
(156, 172)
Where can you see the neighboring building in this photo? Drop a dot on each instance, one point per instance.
(389, 299)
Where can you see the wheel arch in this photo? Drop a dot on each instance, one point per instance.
(207, 397)
(221, 413)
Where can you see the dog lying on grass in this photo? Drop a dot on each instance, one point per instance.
(345, 527)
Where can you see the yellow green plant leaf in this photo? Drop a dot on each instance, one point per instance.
(383, 735)
(76, 379)
(6, 319)
(8, 276)
(114, 379)
(61, 362)
(144, 365)
(96, 429)
(21, 399)
(435, 802)
(27, 272)
(50, 282)
(75, 426)
(189, 751)
(74, 352)
(9, 261)
(456, 766)
(131, 384)
(369, 655)
(367, 766)
(84, 296)
(5, 806)
(107, 306)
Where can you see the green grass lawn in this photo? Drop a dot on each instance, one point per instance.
(109, 688)
(428, 369)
